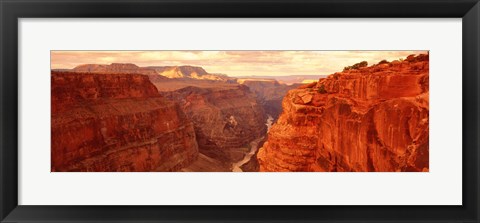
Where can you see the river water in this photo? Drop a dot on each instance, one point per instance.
(253, 148)
(269, 122)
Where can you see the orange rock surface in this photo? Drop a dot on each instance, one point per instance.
(116, 122)
(367, 119)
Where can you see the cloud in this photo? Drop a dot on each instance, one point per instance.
(234, 63)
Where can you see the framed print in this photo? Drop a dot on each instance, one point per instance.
(204, 111)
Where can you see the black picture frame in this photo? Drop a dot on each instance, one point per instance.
(12, 10)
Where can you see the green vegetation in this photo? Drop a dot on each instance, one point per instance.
(356, 66)
(383, 62)
(322, 90)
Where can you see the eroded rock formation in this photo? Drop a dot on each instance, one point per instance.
(116, 122)
(362, 119)
(269, 93)
(114, 68)
(189, 72)
(226, 118)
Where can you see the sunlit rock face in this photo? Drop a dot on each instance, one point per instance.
(225, 116)
(116, 122)
(189, 72)
(366, 119)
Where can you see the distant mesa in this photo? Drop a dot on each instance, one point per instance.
(161, 73)
(156, 73)
(179, 71)
(188, 72)
(117, 68)
(289, 79)
(257, 80)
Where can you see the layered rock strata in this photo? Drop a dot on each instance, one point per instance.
(189, 72)
(367, 119)
(225, 118)
(116, 122)
(114, 68)
(269, 93)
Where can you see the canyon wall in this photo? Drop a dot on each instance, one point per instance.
(225, 117)
(270, 93)
(364, 119)
(116, 122)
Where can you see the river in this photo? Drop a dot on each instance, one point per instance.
(253, 148)
(269, 122)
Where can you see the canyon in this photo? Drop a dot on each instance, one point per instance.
(116, 122)
(365, 118)
(209, 123)
(122, 117)
(269, 93)
(226, 117)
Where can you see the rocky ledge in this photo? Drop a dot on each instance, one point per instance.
(362, 119)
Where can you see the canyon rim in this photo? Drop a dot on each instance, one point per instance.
(239, 111)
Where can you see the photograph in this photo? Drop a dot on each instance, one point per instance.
(239, 111)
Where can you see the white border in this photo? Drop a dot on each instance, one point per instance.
(441, 186)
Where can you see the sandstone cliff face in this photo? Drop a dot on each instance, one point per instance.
(188, 72)
(224, 117)
(368, 119)
(270, 93)
(114, 68)
(116, 122)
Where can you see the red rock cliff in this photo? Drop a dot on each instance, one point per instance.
(365, 119)
(116, 122)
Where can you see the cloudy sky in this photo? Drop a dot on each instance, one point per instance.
(233, 63)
